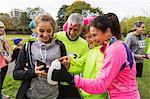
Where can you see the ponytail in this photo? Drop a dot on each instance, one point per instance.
(115, 26)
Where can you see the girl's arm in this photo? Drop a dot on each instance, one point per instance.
(111, 65)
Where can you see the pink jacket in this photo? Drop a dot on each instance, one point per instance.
(119, 84)
(2, 60)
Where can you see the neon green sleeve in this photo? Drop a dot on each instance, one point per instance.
(148, 50)
(99, 63)
(77, 65)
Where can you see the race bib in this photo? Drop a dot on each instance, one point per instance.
(141, 43)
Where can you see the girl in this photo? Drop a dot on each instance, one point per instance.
(118, 72)
(45, 48)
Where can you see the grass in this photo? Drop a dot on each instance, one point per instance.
(11, 86)
(144, 82)
(11, 37)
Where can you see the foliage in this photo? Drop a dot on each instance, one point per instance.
(127, 23)
(10, 86)
(5, 18)
(33, 12)
(24, 22)
(60, 16)
(81, 7)
(15, 23)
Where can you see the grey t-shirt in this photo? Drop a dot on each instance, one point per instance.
(136, 44)
(39, 87)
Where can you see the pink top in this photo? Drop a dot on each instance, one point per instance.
(86, 21)
(119, 84)
(2, 60)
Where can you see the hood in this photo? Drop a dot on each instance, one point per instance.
(43, 45)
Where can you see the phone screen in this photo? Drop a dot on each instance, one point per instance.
(39, 63)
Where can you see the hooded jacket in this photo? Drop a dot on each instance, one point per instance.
(24, 69)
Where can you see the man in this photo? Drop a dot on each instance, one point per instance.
(135, 41)
(75, 46)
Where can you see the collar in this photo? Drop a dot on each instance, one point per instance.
(71, 39)
(104, 45)
(43, 45)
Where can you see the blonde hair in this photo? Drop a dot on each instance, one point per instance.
(46, 17)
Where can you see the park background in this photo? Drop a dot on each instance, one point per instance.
(17, 21)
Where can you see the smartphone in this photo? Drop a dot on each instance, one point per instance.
(39, 63)
(146, 56)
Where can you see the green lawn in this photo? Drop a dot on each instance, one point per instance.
(144, 82)
(11, 86)
(11, 37)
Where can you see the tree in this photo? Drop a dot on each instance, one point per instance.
(60, 16)
(15, 21)
(24, 22)
(5, 18)
(123, 24)
(81, 7)
(127, 23)
(33, 12)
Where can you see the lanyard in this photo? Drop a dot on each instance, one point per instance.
(112, 40)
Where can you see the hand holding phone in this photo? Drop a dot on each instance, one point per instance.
(39, 72)
(146, 56)
(39, 63)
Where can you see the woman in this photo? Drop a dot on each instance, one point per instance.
(45, 49)
(135, 41)
(118, 72)
(4, 56)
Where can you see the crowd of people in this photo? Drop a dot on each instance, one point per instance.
(94, 62)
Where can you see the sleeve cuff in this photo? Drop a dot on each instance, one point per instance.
(76, 80)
